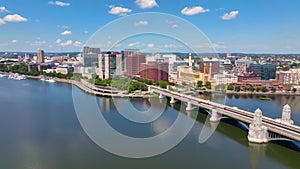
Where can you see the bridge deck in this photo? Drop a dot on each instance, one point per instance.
(289, 131)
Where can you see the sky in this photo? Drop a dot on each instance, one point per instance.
(256, 26)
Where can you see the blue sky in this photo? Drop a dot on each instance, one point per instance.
(259, 26)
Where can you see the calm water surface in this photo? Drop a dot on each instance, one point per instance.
(40, 130)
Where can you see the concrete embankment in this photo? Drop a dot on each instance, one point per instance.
(278, 93)
(95, 90)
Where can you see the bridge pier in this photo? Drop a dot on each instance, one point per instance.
(214, 116)
(258, 133)
(189, 106)
(172, 100)
(161, 96)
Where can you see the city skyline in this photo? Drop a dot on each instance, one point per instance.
(65, 26)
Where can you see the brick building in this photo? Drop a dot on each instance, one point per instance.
(244, 77)
(155, 71)
(133, 64)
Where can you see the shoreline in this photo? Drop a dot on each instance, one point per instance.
(262, 93)
(98, 91)
(91, 89)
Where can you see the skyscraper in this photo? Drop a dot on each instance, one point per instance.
(125, 53)
(87, 49)
(41, 56)
(133, 64)
(109, 64)
(90, 56)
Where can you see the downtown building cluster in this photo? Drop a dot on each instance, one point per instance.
(190, 69)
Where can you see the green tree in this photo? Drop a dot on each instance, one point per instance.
(163, 84)
(199, 83)
(264, 89)
(171, 88)
(237, 88)
(258, 89)
(137, 86)
(285, 68)
(208, 85)
(273, 90)
(245, 89)
(230, 86)
(294, 90)
(251, 88)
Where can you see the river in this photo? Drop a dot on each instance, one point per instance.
(40, 130)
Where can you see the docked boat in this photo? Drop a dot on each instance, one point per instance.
(16, 76)
(46, 79)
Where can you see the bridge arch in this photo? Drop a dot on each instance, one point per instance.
(239, 123)
(223, 118)
(277, 137)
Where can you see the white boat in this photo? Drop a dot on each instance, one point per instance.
(22, 77)
(16, 76)
(46, 79)
(2, 75)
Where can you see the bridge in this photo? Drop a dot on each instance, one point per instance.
(262, 129)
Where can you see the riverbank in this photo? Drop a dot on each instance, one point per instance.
(95, 90)
(104, 91)
(280, 93)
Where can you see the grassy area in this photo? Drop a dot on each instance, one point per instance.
(265, 98)
(156, 95)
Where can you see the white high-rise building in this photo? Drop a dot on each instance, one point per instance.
(109, 65)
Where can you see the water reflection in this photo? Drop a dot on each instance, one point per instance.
(207, 130)
(37, 134)
(256, 152)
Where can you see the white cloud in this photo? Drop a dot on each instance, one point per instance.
(117, 10)
(193, 10)
(14, 18)
(66, 32)
(141, 23)
(77, 43)
(231, 15)
(2, 22)
(67, 43)
(3, 9)
(14, 41)
(58, 41)
(59, 3)
(63, 26)
(38, 43)
(150, 45)
(86, 32)
(133, 44)
(146, 3)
